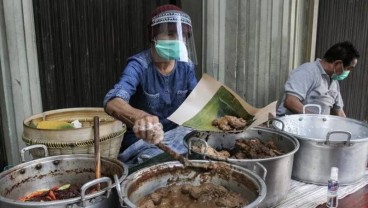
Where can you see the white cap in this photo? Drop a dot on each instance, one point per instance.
(334, 173)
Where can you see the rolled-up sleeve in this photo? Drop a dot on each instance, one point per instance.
(299, 83)
(127, 84)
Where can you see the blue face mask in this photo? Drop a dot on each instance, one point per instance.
(341, 76)
(172, 50)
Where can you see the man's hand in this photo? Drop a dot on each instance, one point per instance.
(338, 112)
(149, 129)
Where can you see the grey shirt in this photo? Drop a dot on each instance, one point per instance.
(310, 83)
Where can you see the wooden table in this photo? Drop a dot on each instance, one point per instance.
(358, 199)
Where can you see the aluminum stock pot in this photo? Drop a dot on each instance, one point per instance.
(145, 181)
(327, 141)
(48, 172)
(278, 168)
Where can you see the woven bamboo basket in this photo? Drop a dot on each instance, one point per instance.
(78, 140)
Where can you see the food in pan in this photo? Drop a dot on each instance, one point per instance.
(66, 191)
(211, 151)
(229, 123)
(187, 195)
(243, 149)
(254, 149)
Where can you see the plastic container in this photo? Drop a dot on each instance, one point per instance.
(332, 188)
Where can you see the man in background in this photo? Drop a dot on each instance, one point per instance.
(317, 82)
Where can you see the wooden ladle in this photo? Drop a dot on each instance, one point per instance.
(174, 154)
(96, 128)
(165, 148)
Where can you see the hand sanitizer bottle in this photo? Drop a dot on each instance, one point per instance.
(333, 186)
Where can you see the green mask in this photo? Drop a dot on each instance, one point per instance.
(172, 50)
(341, 76)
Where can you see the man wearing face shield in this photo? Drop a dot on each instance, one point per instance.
(317, 83)
(153, 85)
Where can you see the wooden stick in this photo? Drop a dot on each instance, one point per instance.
(173, 154)
(96, 125)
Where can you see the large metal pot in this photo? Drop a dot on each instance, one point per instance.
(48, 172)
(278, 168)
(327, 141)
(147, 180)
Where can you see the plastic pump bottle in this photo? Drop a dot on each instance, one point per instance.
(333, 186)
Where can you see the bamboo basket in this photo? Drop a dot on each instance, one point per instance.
(78, 140)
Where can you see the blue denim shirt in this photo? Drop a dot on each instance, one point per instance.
(145, 88)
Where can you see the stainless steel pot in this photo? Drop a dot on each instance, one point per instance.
(278, 168)
(147, 180)
(327, 141)
(48, 172)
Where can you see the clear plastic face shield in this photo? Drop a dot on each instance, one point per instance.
(173, 36)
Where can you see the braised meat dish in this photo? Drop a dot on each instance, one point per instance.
(206, 195)
(243, 149)
(254, 149)
(229, 123)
